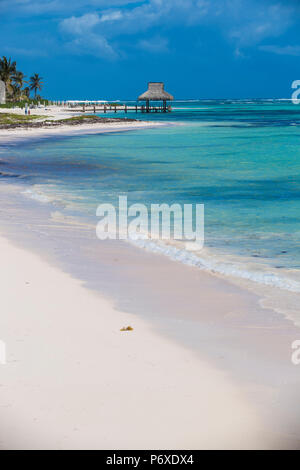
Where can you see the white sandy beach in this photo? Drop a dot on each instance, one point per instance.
(52, 112)
(73, 380)
(20, 135)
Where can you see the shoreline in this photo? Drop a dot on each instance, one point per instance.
(10, 136)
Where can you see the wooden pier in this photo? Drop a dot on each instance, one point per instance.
(117, 109)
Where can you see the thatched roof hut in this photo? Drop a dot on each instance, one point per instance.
(156, 92)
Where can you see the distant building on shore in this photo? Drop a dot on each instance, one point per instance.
(2, 92)
(156, 92)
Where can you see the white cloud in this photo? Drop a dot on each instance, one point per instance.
(80, 25)
(156, 44)
(261, 20)
(136, 19)
(281, 50)
(111, 16)
(24, 52)
(91, 44)
(84, 39)
(38, 7)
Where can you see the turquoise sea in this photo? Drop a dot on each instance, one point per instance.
(241, 159)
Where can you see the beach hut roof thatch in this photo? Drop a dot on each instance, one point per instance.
(156, 92)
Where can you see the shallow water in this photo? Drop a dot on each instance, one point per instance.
(241, 159)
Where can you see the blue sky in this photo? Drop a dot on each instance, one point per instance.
(93, 49)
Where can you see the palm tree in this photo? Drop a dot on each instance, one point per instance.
(27, 92)
(17, 85)
(15, 94)
(7, 70)
(19, 79)
(36, 83)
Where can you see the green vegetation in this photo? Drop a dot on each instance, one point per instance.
(14, 121)
(21, 104)
(85, 117)
(9, 119)
(8, 69)
(36, 83)
(15, 82)
(114, 104)
(90, 119)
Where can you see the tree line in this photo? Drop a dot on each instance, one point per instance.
(17, 87)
